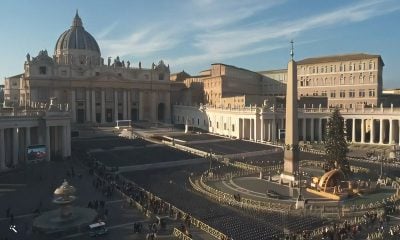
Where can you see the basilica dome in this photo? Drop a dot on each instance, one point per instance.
(76, 44)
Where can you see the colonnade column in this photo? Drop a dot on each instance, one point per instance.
(255, 129)
(124, 107)
(243, 132)
(362, 130)
(251, 130)
(273, 130)
(141, 99)
(353, 131)
(103, 106)
(64, 141)
(268, 130)
(115, 105)
(372, 132)
(304, 129)
(94, 106)
(390, 131)
(68, 132)
(319, 130)
(87, 115)
(15, 146)
(2, 150)
(381, 131)
(399, 130)
(73, 105)
(48, 143)
(312, 130)
(262, 129)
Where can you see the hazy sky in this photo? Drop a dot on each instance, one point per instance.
(192, 34)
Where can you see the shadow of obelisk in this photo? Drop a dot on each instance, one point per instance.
(291, 152)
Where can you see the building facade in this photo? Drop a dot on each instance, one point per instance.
(96, 92)
(227, 86)
(347, 81)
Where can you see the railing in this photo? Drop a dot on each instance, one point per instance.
(180, 235)
(244, 203)
(213, 232)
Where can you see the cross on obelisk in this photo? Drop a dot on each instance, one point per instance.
(291, 152)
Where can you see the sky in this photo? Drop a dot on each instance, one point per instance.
(192, 34)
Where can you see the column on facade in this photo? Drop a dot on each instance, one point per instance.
(267, 130)
(167, 101)
(47, 139)
(362, 130)
(312, 129)
(124, 105)
(353, 131)
(73, 105)
(319, 129)
(87, 112)
(129, 104)
(304, 129)
(93, 105)
(141, 106)
(381, 131)
(115, 105)
(103, 106)
(372, 132)
(2, 150)
(390, 131)
(15, 146)
(154, 107)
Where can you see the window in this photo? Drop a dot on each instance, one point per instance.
(323, 93)
(233, 127)
(64, 73)
(97, 73)
(341, 68)
(361, 93)
(371, 92)
(342, 79)
(361, 78)
(217, 125)
(352, 93)
(42, 70)
(370, 65)
(359, 66)
(315, 93)
(342, 94)
(351, 79)
(371, 78)
(331, 68)
(350, 67)
(161, 76)
(333, 94)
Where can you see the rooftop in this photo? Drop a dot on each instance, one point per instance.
(338, 58)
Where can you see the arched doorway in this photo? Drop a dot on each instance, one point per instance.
(160, 111)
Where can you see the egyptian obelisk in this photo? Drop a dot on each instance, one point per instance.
(291, 152)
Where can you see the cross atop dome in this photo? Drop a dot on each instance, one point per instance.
(77, 22)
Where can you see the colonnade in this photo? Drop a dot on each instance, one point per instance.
(48, 133)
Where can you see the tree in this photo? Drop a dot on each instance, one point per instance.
(336, 145)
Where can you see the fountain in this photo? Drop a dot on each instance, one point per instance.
(67, 218)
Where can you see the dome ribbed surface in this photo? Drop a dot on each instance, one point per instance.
(76, 38)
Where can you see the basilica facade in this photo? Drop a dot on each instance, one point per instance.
(92, 90)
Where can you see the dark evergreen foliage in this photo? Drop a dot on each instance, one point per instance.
(336, 145)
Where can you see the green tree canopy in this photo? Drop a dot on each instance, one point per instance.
(336, 145)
